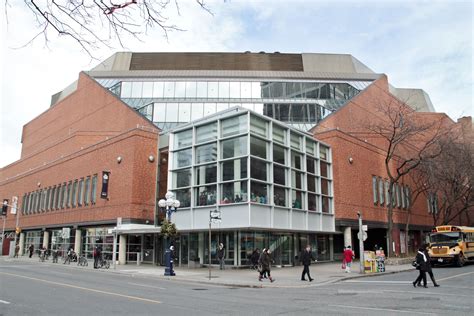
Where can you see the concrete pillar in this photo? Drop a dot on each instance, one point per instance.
(347, 237)
(201, 248)
(46, 239)
(331, 247)
(78, 242)
(123, 249)
(22, 244)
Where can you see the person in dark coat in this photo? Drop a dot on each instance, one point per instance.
(97, 255)
(428, 268)
(254, 258)
(421, 265)
(306, 258)
(266, 262)
(221, 256)
(31, 249)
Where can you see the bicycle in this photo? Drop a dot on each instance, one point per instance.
(103, 263)
(82, 261)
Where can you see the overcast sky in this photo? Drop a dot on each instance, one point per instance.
(418, 44)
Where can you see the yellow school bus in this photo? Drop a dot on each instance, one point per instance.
(451, 244)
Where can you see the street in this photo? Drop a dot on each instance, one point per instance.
(39, 289)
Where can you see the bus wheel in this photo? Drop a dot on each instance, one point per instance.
(460, 260)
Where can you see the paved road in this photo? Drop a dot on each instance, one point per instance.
(32, 289)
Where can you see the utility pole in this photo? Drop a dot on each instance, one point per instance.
(361, 244)
(210, 221)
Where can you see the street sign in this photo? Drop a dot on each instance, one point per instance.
(365, 228)
(364, 235)
(14, 204)
(66, 233)
(215, 214)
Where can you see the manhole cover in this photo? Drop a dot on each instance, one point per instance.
(199, 289)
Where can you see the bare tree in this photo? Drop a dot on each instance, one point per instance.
(97, 23)
(407, 140)
(452, 179)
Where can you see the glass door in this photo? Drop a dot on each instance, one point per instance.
(148, 248)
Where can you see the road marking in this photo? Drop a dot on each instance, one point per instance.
(4, 302)
(144, 285)
(85, 288)
(382, 309)
(394, 282)
(427, 293)
(455, 276)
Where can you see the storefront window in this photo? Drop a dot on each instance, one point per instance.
(234, 192)
(234, 169)
(205, 195)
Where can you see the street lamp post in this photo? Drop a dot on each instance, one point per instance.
(171, 205)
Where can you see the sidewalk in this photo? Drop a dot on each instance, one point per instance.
(288, 277)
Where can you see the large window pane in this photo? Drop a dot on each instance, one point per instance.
(279, 134)
(258, 169)
(159, 112)
(69, 194)
(326, 204)
(137, 89)
(206, 153)
(183, 139)
(256, 90)
(205, 195)
(296, 180)
(325, 187)
(279, 154)
(234, 125)
(197, 111)
(94, 189)
(74, 194)
(184, 197)
(234, 89)
(209, 108)
(172, 112)
(158, 89)
(126, 89)
(223, 90)
(169, 89)
(184, 112)
(310, 146)
(323, 152)
(212, 90)
(310, 162)
(297, 199)
(311, 183)
(234, 147)
(324, 169)
(206, 174)
(280, 196)
(191, 89)
(206, 133)
(245, 90)
(259, 192)
(258, 147)
(147, 90)
(295, 141)
(282, 112)
(87, 192)
(299, 113)
(202, 89)
(234, 192)
(180, 89)
(234, 169)
(296, 160)
(279, 175)
(182, 158)
(258, 126)
(312, 202)
(80, 192)
(182, 178)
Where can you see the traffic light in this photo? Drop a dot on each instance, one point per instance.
(4, 207)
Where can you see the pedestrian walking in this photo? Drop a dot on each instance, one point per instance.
(97, 254)
(55, 255)
(31, 249)
(265, 263)
(421, 262)
(254, 258)
(348, 256)
(428, 268)
(306, 258)
(17, 250)
(221, 256)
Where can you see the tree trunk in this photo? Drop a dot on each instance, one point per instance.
(390, 220)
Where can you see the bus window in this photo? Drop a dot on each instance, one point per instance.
(445, 237)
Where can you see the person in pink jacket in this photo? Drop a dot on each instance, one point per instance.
(348, 256)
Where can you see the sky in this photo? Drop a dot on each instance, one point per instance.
(418, 44)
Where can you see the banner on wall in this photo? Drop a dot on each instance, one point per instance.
(104, 194)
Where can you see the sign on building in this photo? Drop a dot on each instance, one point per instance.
(104, 194)
(14, 205)
(66, 233)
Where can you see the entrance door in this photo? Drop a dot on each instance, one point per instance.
(148, 248)
(281, 247)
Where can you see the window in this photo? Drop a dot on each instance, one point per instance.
(233, 126)
(387, 197)
(234, 88)
(183, 139)
(279, 154)
(74, 194)
(279, 134)
(147, 91)
(258, 147)
(182, 158)
(279, 175)
(326, 204)
(80, 192)
(158, 89)
(202, 89)
(310, 145)
(58, 193)
(180, 89)
(245, 90)
(399, 197)
(296, 160)
(295, 141)
(408, 196)
(223, 90)
(206, 133)
(258, 169)
(197, 111)
(374, 189)
(137, 89)
(94, 189)
(64, 195)
(234, 192)
(234, 147)
(311, 183)
(323, 153)
(381, 195)
(169, 89)
(402, 193)
(234, 169)
(53, 198)
(206, 174)
(87, 192)
(172, 112)
(41, 200)
(209, 108)
(182, 178)
(256, 90)
(184, 112)
(184, 197)
(191, 89)
(205, 195)
(296, 179)
(297, 199)
(325, 187)
(259, 192)
(312, 202)
(310, 165)
(324, 167)
(258, 126)
(69, 194)
(206, 153)
(212, 90)
(279, 196)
